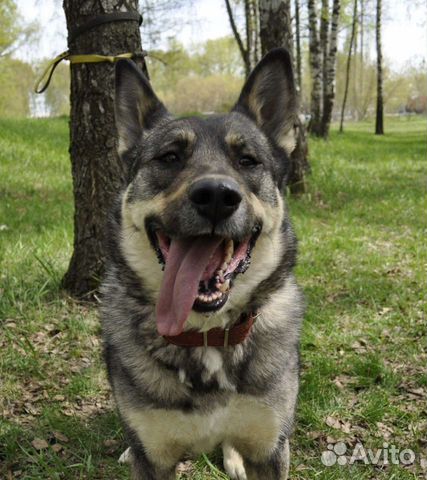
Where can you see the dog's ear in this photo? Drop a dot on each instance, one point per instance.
(269, 98)
(136, 105)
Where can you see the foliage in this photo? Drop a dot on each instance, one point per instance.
(13, 31)
(16, 76)
(213, 93)
(17, 80)
(206, 78)
(10, 29)
(362, 252)
(399, 87)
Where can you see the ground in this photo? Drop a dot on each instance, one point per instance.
(362, 230)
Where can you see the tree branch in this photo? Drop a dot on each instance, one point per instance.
(243, 51)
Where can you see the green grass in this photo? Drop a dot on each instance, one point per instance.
(362, 230)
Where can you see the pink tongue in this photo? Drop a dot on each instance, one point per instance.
(186, 261)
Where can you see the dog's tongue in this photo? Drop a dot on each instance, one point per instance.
(186, 261)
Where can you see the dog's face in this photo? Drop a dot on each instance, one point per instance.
(203, 204)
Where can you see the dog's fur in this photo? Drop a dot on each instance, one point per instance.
(177, 402)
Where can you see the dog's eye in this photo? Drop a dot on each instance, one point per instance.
(248, 161)
(169, 157)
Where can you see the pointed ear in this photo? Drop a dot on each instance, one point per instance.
(269, 98)
(136, 105)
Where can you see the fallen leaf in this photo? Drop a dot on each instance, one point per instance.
(57, 447)
(61, 437)
(332, 422)
(39, 444)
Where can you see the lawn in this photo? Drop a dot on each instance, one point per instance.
(362, 231)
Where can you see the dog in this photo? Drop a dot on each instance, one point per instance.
(201, 313)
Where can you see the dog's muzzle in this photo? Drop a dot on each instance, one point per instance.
(215, 199)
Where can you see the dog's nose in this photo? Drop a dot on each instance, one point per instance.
(215, 199)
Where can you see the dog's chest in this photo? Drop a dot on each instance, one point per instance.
(210, 369)
(242, 420)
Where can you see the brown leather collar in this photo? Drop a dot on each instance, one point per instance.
(216, 337)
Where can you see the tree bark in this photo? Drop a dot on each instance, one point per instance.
(298, 46)
(96, 170)
(347, 74)
(361, 110)
(355, 74)
(329, 71)
(324, 45)
(275, 25)
(252, 32)
(379, 120)
(276, 31)
(316, 69)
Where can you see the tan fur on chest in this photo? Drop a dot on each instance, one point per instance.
(245, 423)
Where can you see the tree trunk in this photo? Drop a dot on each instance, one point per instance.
(316, 69)
(298, 46)
(96, 171)
(256, 39)
(299, 165)
(243, 50)
(249, 35)
(355, 74)
(324, 45)
(379, 120)
(252, 32)
(347, 74)
(330, 68)
(276, 31)
(361, 111)
(275, 25)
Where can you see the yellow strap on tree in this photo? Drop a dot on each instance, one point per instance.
(46, 76)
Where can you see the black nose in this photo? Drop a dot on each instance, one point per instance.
(215, 199)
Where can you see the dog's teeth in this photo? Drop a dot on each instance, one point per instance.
(229, 251)
(225, 286)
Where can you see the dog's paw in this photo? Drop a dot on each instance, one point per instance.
(233, 463)
(126, 456)
(185, 468)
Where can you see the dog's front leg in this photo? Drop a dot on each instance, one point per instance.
(144, 469)
(275, 467)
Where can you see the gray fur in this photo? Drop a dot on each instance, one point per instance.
(176, 402)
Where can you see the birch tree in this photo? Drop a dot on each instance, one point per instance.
(379, 119)
(298, 61)
(348, 65)
(330, 71)
(322, 53)
(315, 68)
